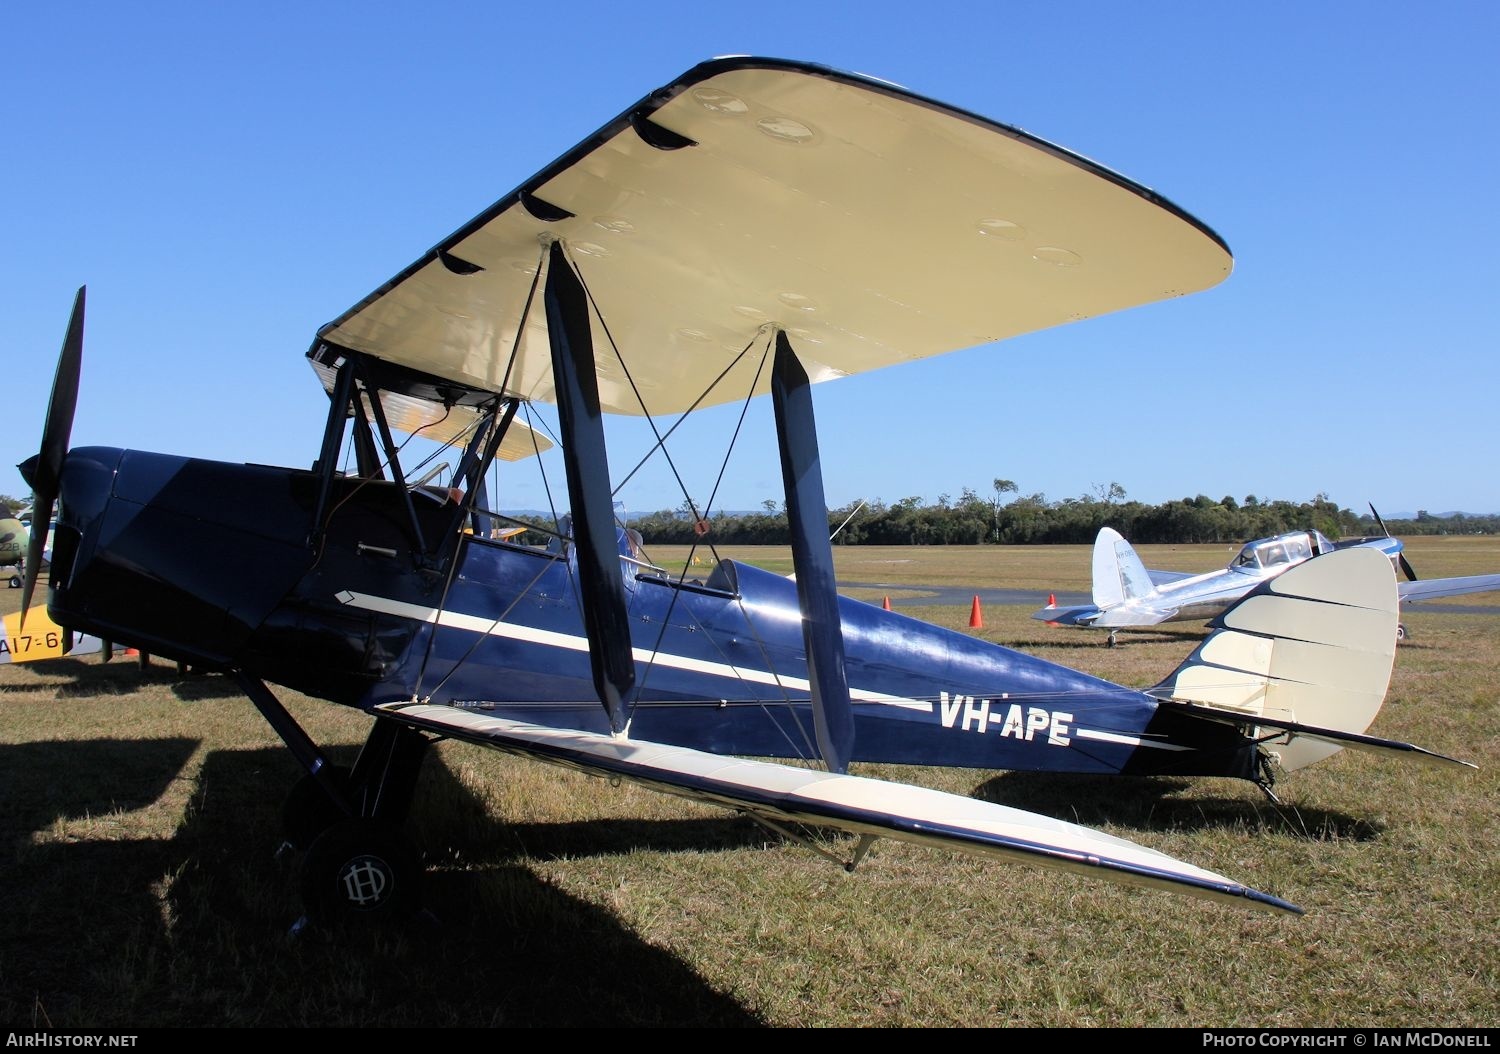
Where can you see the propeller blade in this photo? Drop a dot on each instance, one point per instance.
(1406, 568)
(1411, 576)
(44, 472)
(41, 516)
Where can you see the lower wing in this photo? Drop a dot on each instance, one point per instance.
(861, 806)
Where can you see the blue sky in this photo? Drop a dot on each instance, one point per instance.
(228, 177)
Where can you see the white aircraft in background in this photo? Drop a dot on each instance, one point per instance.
(1127, 595)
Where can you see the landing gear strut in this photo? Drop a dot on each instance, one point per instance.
(359, 867)
(1265, 776)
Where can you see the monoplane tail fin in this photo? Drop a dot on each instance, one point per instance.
(1119, 575)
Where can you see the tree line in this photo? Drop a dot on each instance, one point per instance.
(1006, 518)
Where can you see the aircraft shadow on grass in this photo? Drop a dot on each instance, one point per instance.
(87, 678)
(1152, 804)
(215, 949)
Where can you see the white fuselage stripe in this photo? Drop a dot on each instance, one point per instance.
(1129, 741)
(572, 642)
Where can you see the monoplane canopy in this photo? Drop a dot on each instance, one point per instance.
(874, 226)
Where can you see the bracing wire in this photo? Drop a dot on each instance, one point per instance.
(661, 446)
(492, 420)
(729, 451)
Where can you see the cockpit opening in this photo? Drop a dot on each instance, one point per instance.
(1282, 550)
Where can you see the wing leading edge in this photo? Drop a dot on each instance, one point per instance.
(855, 804)
(872, 225)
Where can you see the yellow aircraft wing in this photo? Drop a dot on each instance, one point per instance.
(873, 225)
(43, 638)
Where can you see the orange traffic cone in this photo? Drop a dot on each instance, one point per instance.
(1052, 600)
(976, 617)
(886, 603)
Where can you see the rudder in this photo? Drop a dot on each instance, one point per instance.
(1118, 572)
(1313, 646)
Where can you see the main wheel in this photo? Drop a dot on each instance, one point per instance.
(307, 811)
(360, 872)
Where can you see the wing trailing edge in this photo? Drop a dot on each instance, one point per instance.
(855, 804)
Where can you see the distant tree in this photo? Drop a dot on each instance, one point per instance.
(1002, 486)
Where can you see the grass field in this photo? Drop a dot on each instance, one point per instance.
(139, 812)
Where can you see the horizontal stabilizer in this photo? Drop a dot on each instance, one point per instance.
(1131, 615)
(1135, 615)
(1354, 740)
(855, 804)
(1166, 578)
(1079, 616)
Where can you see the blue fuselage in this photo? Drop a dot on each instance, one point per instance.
(215, 564)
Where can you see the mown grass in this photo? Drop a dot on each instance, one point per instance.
(139, 811)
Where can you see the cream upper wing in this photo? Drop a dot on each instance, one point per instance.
(874, 226)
